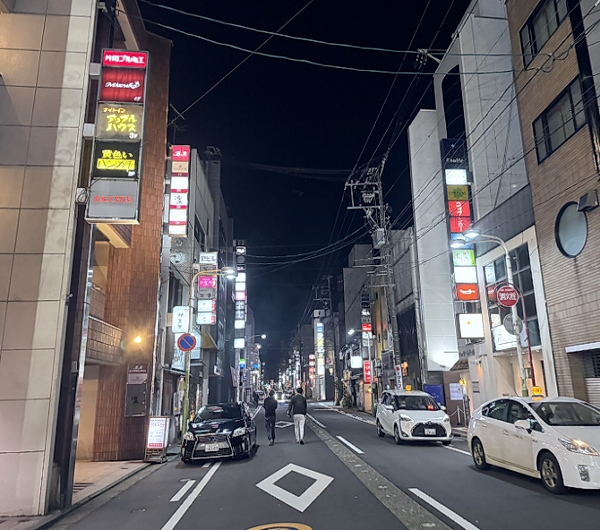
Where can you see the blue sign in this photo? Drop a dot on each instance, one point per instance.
(186, 342)
(437, 392)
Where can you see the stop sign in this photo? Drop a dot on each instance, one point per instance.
(507, 296)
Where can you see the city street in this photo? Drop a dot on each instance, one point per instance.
(411, 486)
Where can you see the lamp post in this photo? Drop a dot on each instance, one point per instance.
(228, 272)
(471, 235)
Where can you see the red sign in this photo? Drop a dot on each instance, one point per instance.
(368, 328)
(467, 292)
(207, 282)
(122, 58)
(491, 291)
(459, 208)
(459, 224)
(507, 296)
(181, 153)
(367, 372)
(114, 198)
(124, 85)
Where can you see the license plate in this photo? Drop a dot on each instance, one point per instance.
(429, 432)
(211, 448)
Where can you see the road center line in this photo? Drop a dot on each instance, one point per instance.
(442, 509)
(182, 491)
(317, 422)
(206, 464)
(351, 446)
(185, 505)
(457, 450)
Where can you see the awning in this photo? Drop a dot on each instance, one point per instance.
(460, 365)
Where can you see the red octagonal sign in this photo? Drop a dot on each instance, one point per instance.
(507, 296)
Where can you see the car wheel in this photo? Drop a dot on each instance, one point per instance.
(380, 431)
(551, 474)
(479, 455)
(446, 442)
(397, 438)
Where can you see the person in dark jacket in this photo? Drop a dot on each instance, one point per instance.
(297, 410)
(270, 406)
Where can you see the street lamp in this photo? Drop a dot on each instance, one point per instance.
(472, 234)
(227, 272)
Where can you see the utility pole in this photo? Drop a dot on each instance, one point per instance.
(366, 194)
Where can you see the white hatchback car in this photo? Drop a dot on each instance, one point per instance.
(412, 416)
(554, 439)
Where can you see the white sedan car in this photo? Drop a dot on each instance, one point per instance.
(412, 416)
(554, 439)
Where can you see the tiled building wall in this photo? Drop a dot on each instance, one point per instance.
(44, 56)
(572, 285)
(133, 275)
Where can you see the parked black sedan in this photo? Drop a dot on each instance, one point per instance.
(219, 431)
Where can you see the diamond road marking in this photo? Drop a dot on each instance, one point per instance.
(283, 424)
(303, 501)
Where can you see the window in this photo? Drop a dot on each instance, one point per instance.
(516, 411)
(495, 410)
(561, 120)
(571, 230)
(541, 26)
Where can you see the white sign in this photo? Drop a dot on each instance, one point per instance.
(158, 430)
(207, 306)
(355, 361)
(503, 340)
(456, 177)
(206, 318)
(239, 343)
(181, 319)
(208, 258)
(456, 393)
(465, 274)
(471, 326)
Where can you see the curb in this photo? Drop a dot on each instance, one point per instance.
(57, 516)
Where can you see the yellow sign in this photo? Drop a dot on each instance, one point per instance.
(537, 391)
(458, 193)
(115, 159)
(282, 526)
(119, 122)
(408, 388)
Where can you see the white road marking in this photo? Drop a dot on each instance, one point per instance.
(460, 521)
(206, 464)
(316, 421)
(283, 424)
(353, 416)
(179, 495)
(185, 505)
(350, 445)
(303, 501)
(457, 450)
(256, 411)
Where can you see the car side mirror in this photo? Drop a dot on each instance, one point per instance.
(523, 425)
(389, 407)
(443, 408)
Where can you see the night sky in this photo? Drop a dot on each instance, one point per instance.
(296, 118)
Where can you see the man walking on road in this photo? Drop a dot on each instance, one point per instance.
(297, 410)
(270, 406)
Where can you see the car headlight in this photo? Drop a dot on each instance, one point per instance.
(240, 431)
(578, 446)
(404, 417)
(446, 419)
(189, 437)
(195, 425)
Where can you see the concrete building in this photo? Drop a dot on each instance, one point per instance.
(78, 301)
(481, 173)
(559, 118)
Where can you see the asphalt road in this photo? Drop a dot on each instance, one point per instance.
(471, 499)
(345, 477)
(298, 484)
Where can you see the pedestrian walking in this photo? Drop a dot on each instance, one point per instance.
(297, 410)
(270, 406)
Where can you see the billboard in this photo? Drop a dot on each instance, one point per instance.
(180, 185)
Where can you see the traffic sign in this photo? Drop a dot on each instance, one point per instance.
(186, 342)
(507, 296)
(513, 327)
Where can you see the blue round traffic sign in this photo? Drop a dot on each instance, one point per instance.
(186, 342)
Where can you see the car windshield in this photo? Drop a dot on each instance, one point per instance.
(568, 414)
(219, 412)
(416, 403)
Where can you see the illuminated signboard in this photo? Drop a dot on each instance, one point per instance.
(470, 326)
(113, 199)
(467, 292)
(178, 201)
(114, 159)
(123, 85)
(456, 177)
(458, 193)
(240, 295)
(459, 209)
(463, 258)
(207, 306)
(459, 224)
(465, 275)
(124, 58)
(207, 282)
(119, 122)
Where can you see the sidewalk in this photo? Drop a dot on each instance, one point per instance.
(90, 480)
